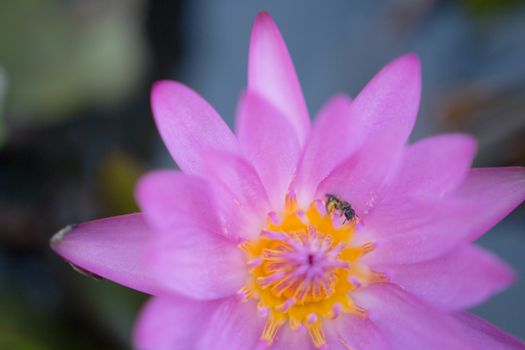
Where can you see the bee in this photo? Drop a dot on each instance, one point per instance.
(335, 204)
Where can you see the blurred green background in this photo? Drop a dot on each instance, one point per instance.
(76, 129)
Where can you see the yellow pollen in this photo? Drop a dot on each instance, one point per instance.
(303, 269)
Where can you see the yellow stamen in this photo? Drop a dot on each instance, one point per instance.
(317, 335)
(304, 268)
(270, 329)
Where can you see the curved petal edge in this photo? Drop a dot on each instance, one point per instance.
(111, 248)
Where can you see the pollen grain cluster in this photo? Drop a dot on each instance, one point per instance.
(304, 268)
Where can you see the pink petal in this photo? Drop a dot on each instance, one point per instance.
(408, 323)
(384, 113)
(240, 195)
(171, 200)
(494, 193)
(486, 336)
(203, 145)
(197, 264)
(234, 326)
(332, 139)
(434, 166)
(171, 323)
(189, 126)
(349, 332)
(459, 280)
(271, 74)
(111, 248)
(270, 143)
(287, 339)
(361, 178)
(417, 229)
(386, 108)
(414, 229)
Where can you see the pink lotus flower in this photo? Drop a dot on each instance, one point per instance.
(339, 236)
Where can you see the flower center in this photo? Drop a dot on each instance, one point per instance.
(304, 267)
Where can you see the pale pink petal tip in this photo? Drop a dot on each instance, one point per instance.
(271, 73)
(410, 62)
(111, 248)
(434, 166)
(180, 114)
(264, 16)
(493, 191)
(407, 66)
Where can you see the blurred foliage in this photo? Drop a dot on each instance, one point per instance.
(104, 317)
(67, 54)
(23, 327)
(73, 68)
(113, 306)
(119, 173)
(3, 92)
(490, 7)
